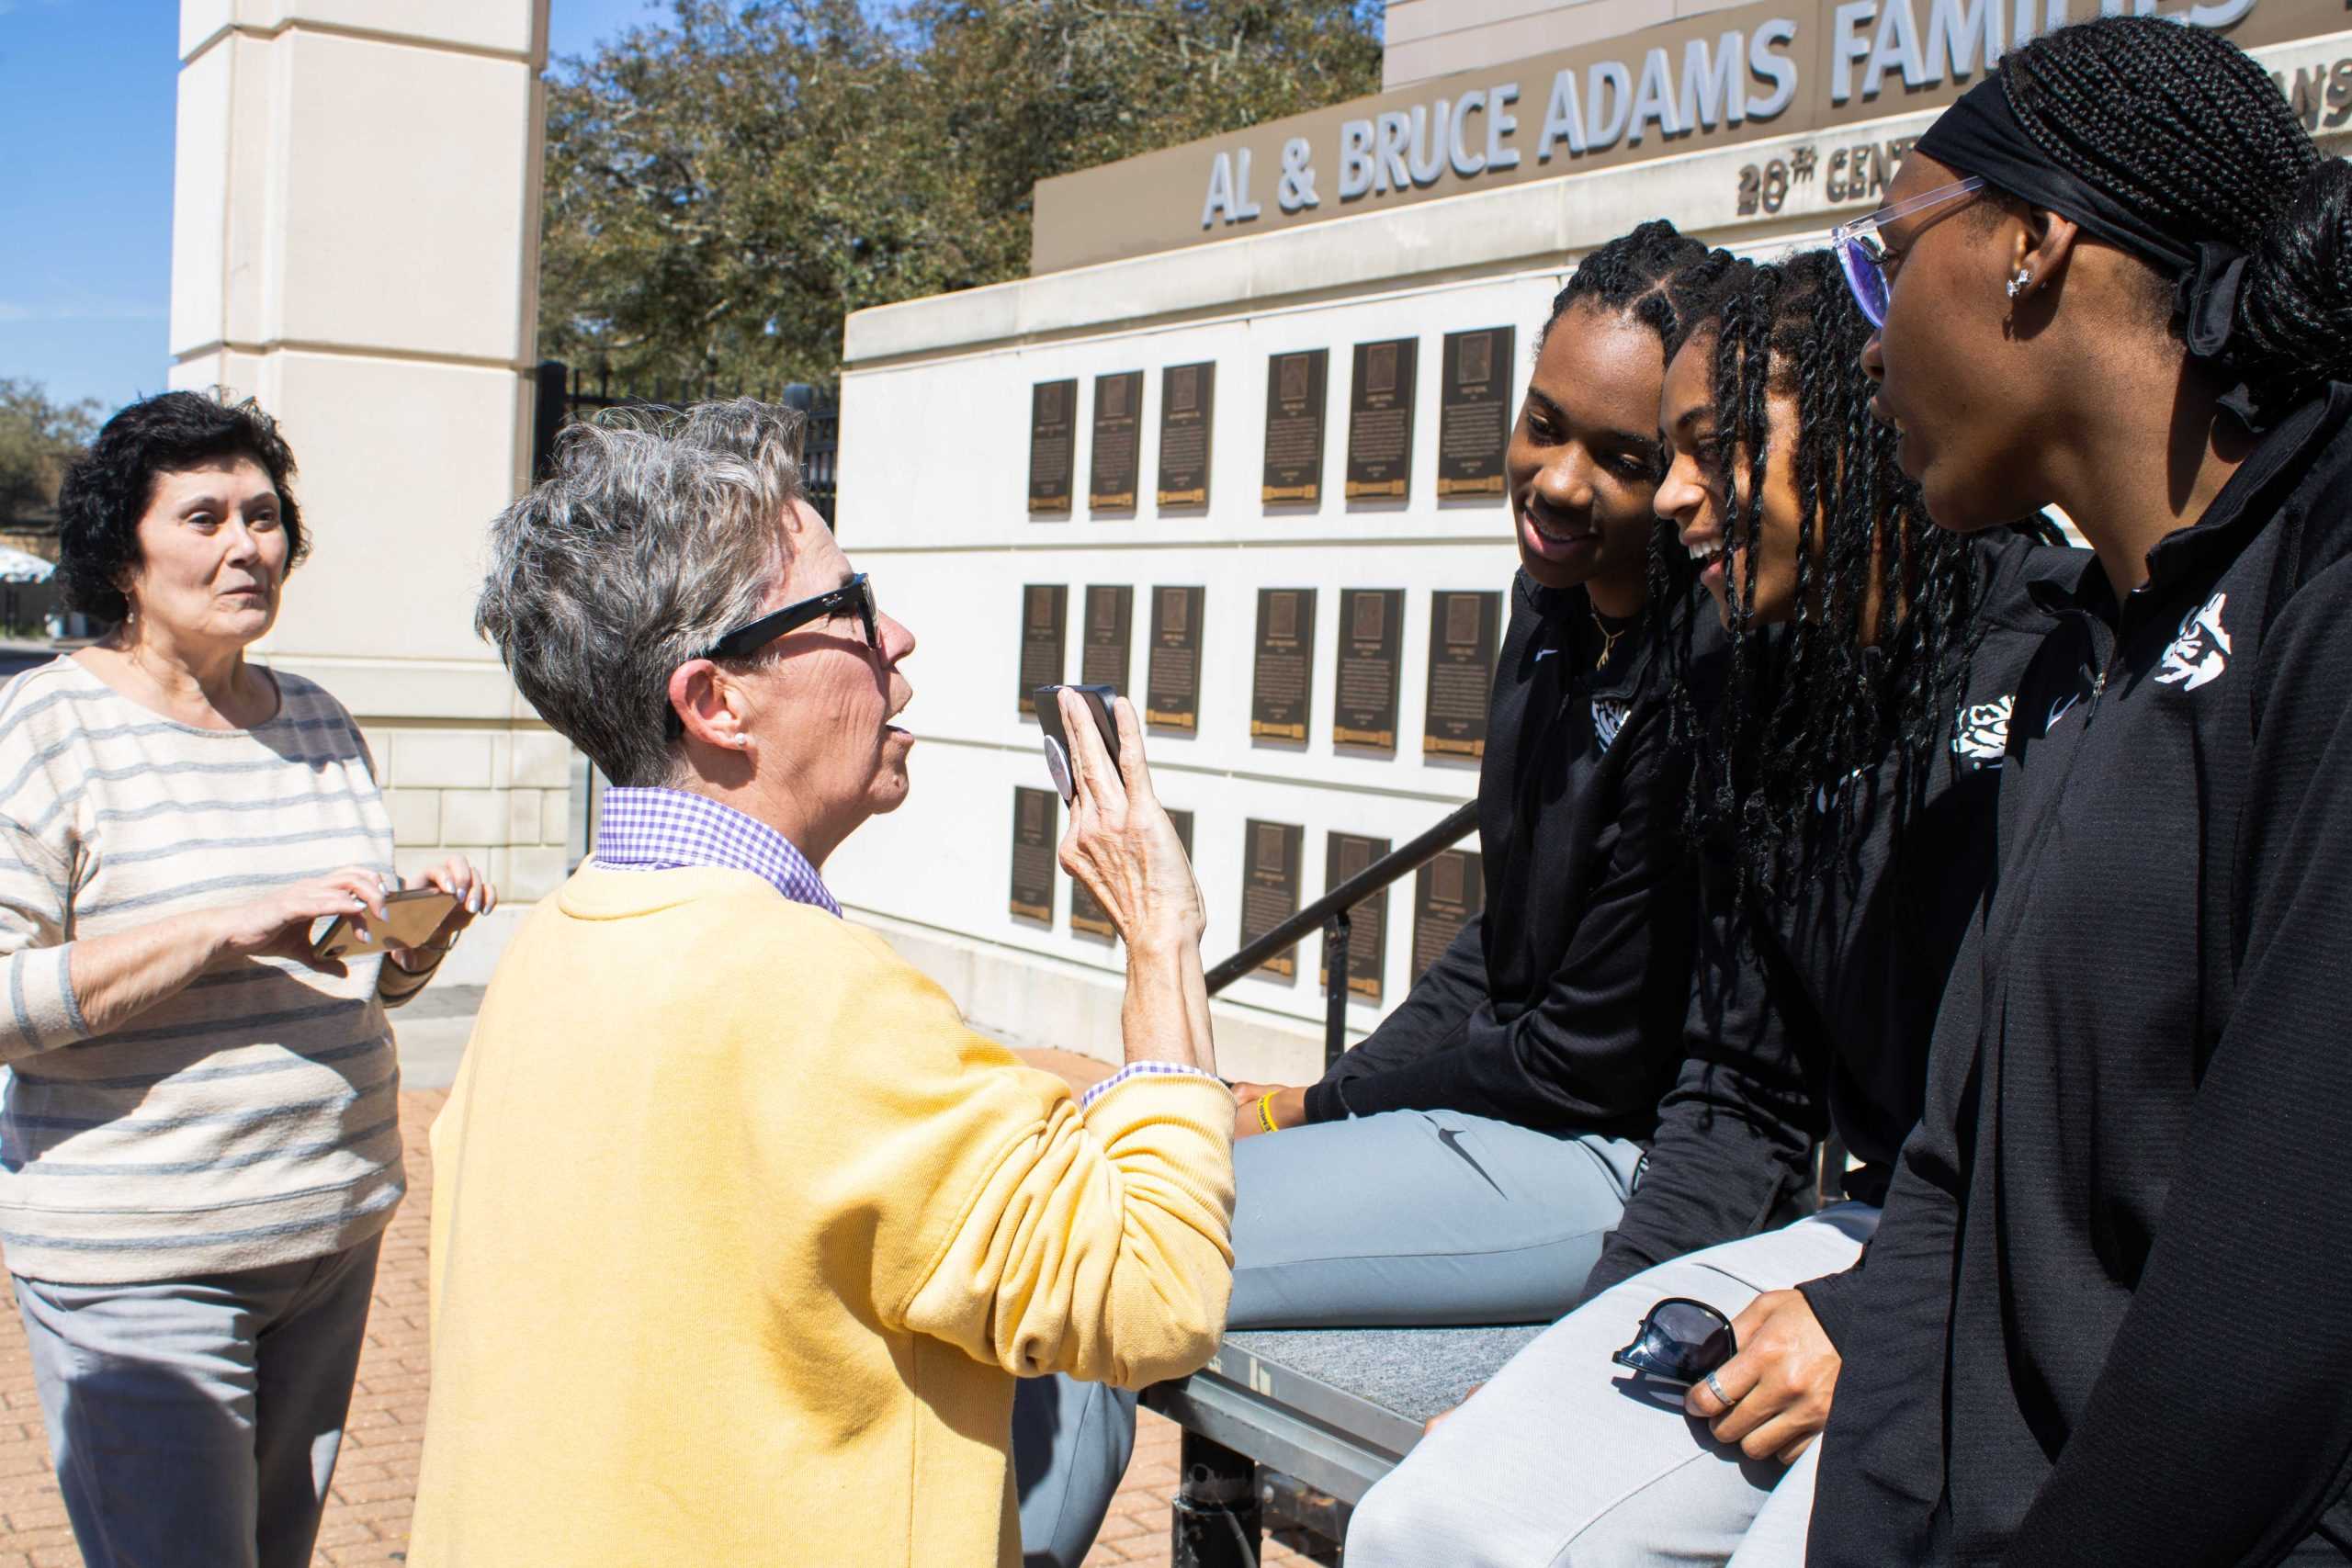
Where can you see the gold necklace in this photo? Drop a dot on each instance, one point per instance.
(1608, 637)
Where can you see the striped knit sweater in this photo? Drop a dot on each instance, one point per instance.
(250, 1120)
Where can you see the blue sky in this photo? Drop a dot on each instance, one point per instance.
(86, 99)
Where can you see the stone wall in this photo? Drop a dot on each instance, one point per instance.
(1429, 38)
(355, 245)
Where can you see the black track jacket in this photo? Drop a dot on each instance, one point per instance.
(1820, 1010)
(2110, 1265)
(1558, 1006)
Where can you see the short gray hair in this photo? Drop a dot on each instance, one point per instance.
(657, 534)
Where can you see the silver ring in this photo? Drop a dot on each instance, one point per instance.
(1717, 1390)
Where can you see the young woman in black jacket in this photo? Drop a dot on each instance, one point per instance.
(1463, 1164)
(1842, 804)
(2097, 1325)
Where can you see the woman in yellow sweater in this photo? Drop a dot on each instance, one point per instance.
(741, 1236)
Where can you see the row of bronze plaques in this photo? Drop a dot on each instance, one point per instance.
(1447, 891)
(1464, 626)
(1474, 428)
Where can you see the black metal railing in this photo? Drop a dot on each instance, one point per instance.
(565, 393)
(1331, 912)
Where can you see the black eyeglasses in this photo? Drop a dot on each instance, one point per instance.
(1680, 1341)
(856, 594)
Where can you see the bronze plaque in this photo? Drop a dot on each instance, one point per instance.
(1187, 418)
(1086, 915)
(1372, 649)
(1044, 611)
(1053, 445)
(1281, 691)
(1345, 856)
(1294, 384)
(1448, 892)
(1172, 687)
(1103, 645)
(1474, 413)
(1033, 853)
(1270, 856)
(1117, 463)
(1380, 419)
(1463, 629)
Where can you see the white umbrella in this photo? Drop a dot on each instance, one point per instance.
(21, 565)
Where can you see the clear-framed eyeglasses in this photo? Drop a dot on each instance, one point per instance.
(1864, 256)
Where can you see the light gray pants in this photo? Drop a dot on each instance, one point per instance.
(1408, 1217)
(198, 1420)
(1567, 1461)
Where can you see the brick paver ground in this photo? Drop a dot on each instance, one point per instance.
(375, 1483)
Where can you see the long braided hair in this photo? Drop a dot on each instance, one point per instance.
(2187, 129)
(1644, 274)
(1805, 708)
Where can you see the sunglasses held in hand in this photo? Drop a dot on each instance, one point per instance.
(1680, 1341)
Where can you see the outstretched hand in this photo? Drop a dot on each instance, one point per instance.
(1120, 842)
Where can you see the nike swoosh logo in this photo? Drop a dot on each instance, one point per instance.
(1544, 653)
(2058, 710)
(1453, 1140)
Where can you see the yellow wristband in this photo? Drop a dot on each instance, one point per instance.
(1266, 1112)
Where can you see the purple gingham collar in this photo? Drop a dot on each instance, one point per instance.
(662, 830)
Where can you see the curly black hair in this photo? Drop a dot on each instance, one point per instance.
(1804, 709)
(108, 489)
(2185, 128)
(1642, 274)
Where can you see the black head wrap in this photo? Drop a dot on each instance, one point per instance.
(1982, 135)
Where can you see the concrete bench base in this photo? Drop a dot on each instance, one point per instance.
(1335, 1407)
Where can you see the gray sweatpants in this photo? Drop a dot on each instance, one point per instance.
(1408, 1217)
(1567, 1461)
(199, 1420)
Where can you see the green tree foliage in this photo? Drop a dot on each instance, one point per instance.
(38, 439)
(722, 189)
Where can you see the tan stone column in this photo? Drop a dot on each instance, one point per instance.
(356, 244)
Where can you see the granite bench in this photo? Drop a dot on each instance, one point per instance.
(1334, 1408)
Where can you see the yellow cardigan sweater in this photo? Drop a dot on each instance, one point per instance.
(741, 1237)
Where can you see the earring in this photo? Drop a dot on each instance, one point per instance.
(2021, 283)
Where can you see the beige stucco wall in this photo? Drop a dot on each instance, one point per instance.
(356, 244)
(1429, 38)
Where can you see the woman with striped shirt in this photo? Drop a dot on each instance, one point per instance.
(199, 1143)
